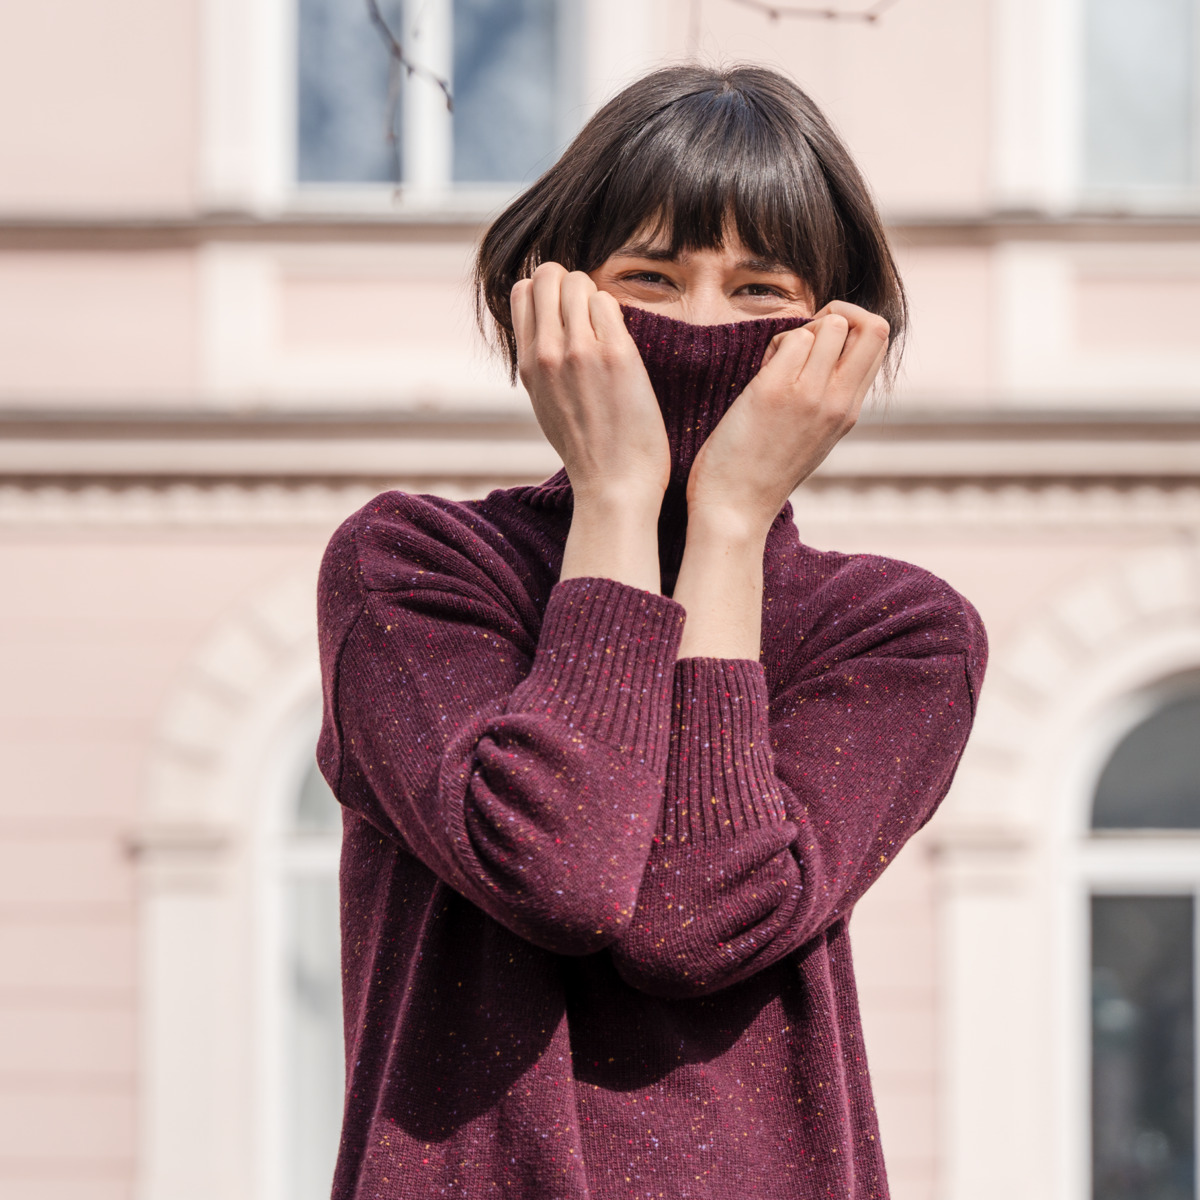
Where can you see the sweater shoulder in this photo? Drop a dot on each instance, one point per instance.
(399, 539)
(432, 556)
(851, 604)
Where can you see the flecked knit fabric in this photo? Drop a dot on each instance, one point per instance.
(697, 371)
(594, 899)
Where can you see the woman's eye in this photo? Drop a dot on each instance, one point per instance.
(646, 277)
(762, 289)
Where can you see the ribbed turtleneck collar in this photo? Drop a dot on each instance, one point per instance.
(697, 371)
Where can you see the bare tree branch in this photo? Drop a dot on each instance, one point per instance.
(401, 61)
(774, 11)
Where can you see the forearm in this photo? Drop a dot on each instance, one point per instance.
(720, 585)
(614, 536)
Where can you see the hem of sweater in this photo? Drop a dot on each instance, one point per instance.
(721, 774)
(604, 664)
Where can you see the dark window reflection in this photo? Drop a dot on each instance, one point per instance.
(1143, 1073)
(1152, 780)
(505, 89)
(343, 93)
(507, 82)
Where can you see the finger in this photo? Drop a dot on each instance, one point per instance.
(864, 385)
(787, 353)
(521, 307)
(866, 346)
(604, 310)
(864, 325)
(547, 305)
(829, 339)
(574, 297)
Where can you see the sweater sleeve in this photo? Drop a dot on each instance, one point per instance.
(525, 771)
(779, 815)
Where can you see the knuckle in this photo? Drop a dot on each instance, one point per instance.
(546, 358)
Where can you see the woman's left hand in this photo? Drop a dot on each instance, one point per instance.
(804, 399)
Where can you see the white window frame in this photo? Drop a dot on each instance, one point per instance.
(1015, 876)
(277, 860)
(1121, 863)
(1038, 117)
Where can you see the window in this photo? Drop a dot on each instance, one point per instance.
(509, 63)
(1140, 110)
(1143, 960)
(311, 1055)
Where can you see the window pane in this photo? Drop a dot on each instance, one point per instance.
(1143, 1074)
(313, 1038)
(1152, 780)
(505, 89)
(343, 93)
(1139, 102)
(317, 810)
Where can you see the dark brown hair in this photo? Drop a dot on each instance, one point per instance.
(685, 152)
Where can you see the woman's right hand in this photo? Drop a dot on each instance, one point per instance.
(590, 391)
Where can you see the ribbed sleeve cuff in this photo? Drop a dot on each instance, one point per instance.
(720, 774)
(604, 665)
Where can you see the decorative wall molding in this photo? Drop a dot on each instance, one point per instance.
(373, 214)
(291, 448)
(1136, 611)
(945, 504)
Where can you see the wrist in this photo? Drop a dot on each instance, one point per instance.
(614, 535)
(628, 502)
(734, 529)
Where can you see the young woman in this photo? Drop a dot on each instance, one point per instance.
(618, 753)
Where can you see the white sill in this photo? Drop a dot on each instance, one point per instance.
(459, 202)
(1139, 201)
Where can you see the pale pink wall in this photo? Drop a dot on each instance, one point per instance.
(98, 106)
(99, 327)
(910, 93)
(893, 937)
(948, 358)
(94, 631)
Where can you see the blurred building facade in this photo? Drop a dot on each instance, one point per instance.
(223, 328)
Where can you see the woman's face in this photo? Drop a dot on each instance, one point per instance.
(702, 287)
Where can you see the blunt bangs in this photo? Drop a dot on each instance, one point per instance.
(685, 155)
(713, 161)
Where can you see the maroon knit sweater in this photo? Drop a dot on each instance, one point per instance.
(595, 900)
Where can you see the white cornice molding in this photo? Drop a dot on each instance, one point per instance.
(951, 448)
(316, 506)
(356, 458)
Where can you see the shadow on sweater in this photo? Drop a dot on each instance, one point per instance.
(659, 1035)
(482, 1007)
(476, 1023)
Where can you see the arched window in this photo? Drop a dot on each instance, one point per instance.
(310, 1048)
(1144, 881)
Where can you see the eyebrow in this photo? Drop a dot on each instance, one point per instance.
(664, 254)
